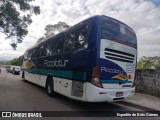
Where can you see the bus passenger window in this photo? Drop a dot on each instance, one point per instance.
(81, 36)
(48, 49)
(33, 53)
(29, 55)
(69, 43)
(60, 43)
(42, 51)
(25, 56)
(37, 52)
(53, 47)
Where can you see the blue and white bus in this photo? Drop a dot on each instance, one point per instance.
(94, 61)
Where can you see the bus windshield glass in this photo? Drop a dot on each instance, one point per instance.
(117, 31)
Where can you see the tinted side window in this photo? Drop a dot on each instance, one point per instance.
(37, 52)
(25, 56)
(29, 55)
(48, 49)
(81, 36)
(75, 39)
(33, 53)
(42, 50)
(53, 46)
(69, 42)
(60, 43)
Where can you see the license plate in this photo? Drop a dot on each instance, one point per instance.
(119, 94)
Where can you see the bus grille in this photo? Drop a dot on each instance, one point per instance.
(119, 55)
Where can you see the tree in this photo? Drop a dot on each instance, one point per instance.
(12, 23)
(53, 29)
(158, 63)
(144, 63)
(15, 61)
(41, 39)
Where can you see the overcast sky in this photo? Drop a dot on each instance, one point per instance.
(141, 15)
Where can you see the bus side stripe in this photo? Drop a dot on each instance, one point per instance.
(74, 75)
(115, 81)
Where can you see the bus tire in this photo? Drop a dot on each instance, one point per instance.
(50, 86)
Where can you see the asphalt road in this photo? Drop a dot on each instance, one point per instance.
(17, 95)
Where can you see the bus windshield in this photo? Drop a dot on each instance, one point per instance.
(117, 31)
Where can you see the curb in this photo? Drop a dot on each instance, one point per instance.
(141, 107)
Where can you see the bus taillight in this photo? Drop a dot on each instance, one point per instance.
(96, 77)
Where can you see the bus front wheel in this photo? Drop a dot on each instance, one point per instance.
(49, 86)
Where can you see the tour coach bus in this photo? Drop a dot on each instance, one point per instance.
(94, 61)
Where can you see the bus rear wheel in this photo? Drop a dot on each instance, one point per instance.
(50, 86)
